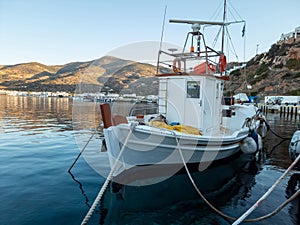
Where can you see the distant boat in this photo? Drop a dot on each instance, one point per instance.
(191, 127)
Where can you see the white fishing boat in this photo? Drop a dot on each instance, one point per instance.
(193, 126)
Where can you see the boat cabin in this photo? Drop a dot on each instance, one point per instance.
(193, 100)
(191, 81)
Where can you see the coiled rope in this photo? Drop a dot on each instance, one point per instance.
(107, 181)
(242, 218)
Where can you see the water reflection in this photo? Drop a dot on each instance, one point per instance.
(174, 201)
(85, 115)
(277, 145)
(39, 114)
(292, 187)
(81, 189)
(33, 113)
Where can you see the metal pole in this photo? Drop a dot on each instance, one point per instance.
(223, 27)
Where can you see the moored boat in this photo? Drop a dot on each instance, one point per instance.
(192, 125)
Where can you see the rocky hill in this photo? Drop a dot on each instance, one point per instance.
(107, 73)
(274, 72)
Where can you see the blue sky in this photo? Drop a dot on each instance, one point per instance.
(62, 31)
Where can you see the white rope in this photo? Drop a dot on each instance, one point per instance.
(108, 179)
(242, 217)
(195, 186)
(233, 218)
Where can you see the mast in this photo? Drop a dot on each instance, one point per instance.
(223, 28)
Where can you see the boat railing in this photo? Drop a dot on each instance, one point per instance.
(203, 62)
(144, 110)
(199, 58)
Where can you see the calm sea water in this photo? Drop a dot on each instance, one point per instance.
(40, 138)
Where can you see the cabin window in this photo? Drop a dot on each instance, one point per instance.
(193, 89)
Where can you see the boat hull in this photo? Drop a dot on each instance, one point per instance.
(145, 146)
(216, 182)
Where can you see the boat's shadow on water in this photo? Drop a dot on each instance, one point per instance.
(175, 201)
(292, 187)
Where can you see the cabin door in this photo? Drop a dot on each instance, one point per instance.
(193, 113)
(209, 106)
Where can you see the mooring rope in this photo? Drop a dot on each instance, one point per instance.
(238, 220)
(241, 218)
(272, 131)
(277, 135)
(82, 150)
(194, 184)
(108, 179)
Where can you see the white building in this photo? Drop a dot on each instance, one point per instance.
(294, 34)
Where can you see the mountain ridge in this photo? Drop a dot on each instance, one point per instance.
(91, 76)
(276, 72)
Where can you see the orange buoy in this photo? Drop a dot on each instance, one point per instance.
(176, 65)
(222, 62)
(211, 67)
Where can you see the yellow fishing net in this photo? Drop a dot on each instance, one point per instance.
(180, 128)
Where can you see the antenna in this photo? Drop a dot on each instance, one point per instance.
(161, 38)
(163, 28)
(223, 27)
(172, 50)
(196, 22)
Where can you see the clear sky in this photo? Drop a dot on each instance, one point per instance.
(62, 31)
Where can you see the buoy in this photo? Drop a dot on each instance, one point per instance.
(176, 65)
(222, 63)
(294, 147)
(262, 128)
(259, 143)
(211, 67)
(248, 145)
(257, 138)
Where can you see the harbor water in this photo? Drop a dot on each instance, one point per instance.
(41, 137)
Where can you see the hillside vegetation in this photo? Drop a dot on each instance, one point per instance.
(274, 72)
